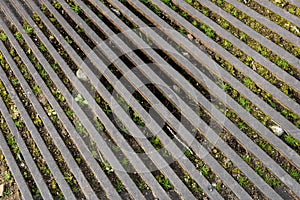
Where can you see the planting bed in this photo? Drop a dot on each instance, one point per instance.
(150, 99)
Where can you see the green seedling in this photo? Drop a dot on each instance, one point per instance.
(76, 9)
(226, 87)
(225, 25)
(166, 184)
(292, 141)
(56, 5)
(99, 125)
(204, 170)
(242, 181)
(242, 126)
(119, 186)
(3, 36)
(107, 168)
(51, 112)
(19, 37)
(227, 44)
(81, 100)
(219, 2)
(42, 48)
(68, 40)
(194, 22)
(137, 119)
(28, 29)
(142, 185)
(155, 141)
(36, 90)
(7, 176)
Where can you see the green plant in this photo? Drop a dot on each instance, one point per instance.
(99, 125)
(81, 130)
(79, 30)
(204, 170)
(295, 174)
(282, 63)
(68, 177)
(225, 25)
(155, 141)
(292, 10)
(76, 8)
(106, 108)
(204, 11)
(242, 126)
(56, 5)
(7, 176)
(28, 29)
(36, 90)
(42, 48)
(18, 36)
(219, 2)
(242, 181)
(183, 14)
(125, 161)
(43, 8)
(165, 183)
(182, 31)
(137, 119)
(119, 186)
(259, 171)
(290, 140)
(227, 44)
(69, 113)
(194, 22)
(248, 83)
(243, 37)
(142, 185)
(107, 168)
(225, 86)
(81, 101)
(210, 33)
(3, 36)
(6, 193)
(12, 52)
(242, 101)
(51, 112)
(68, 40)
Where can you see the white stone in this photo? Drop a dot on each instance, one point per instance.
(277, 130)
(116, 11)
(81, 75)
(186, 54)
(176, 88)
(1, 190)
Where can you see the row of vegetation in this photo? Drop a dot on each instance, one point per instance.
(203, 168)
(288, 6)
(247, 103)
(273, 17)
(244, 102)
(144, 100)
(135, 117)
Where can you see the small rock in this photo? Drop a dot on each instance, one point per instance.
(116, 11)
(1, 190)
(190, 37)
(176, 88)
(186, 54)
(277, 130)
(81, 75)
